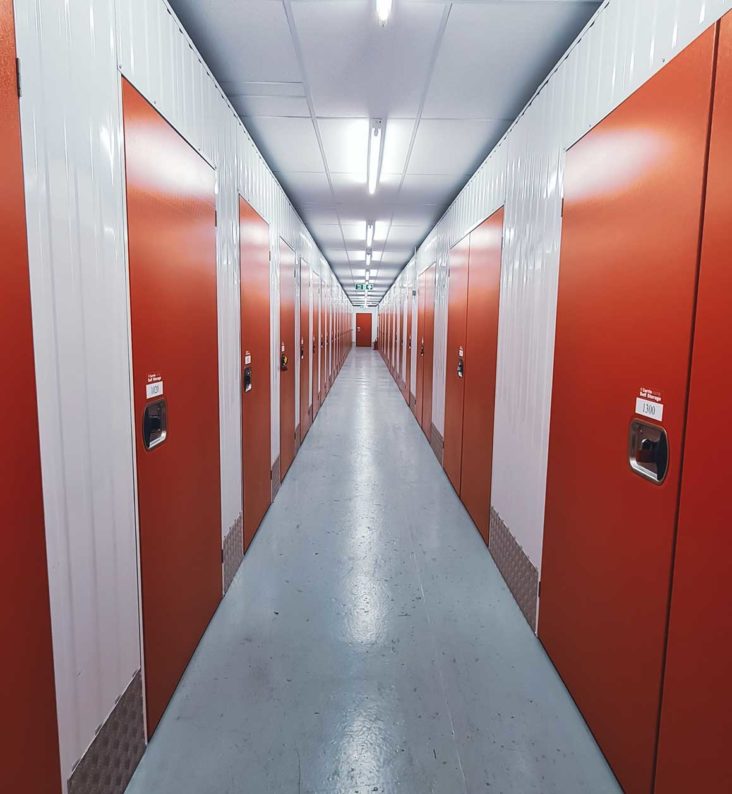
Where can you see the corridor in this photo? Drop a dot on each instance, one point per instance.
(368, 642)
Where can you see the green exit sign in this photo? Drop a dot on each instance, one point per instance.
(364, 287)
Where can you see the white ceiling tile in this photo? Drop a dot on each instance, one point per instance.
(287, 144)
(254, 105)
(310, 187)
(357, 68)
(318, 215)
(494, 55)
(430, 188)
(449, 146)
(352, 195)
(345, 142)
(397, 137)
(250, 40)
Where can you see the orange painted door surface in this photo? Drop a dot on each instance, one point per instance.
(633, 198)
(305, 398)
(172, 266)
(286, 360)
(363, 329)
(29, 758)
(316, 342)
(256, 353)
(696, 717)
(481, 351)
(429, 348)
(419, 375)
(323, 348)
(408, 343)
(457, 313)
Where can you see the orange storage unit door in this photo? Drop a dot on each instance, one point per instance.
(305, 399)
(696, 718)
(632, 205)
(29, 749)
(286, 358)
(363, 329)
(321, 343)
(256, 353)
(408, 343)
(421, 288)
(481, 352)
(457, 305)
(316, 342)
(171, 216)
(429, 350)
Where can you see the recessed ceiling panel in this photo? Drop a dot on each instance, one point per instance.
(257, 105)
(397, 137)
(241, 40)
(309, 186)
(352, 195)
(287, 144)
(429, 188)
(453, 147)
(357, 68)
(345, 142)
(494, 55)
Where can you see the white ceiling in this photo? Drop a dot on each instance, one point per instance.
(447, 78)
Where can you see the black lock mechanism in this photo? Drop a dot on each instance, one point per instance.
(648, 450)
(154, 424)
(247, 379)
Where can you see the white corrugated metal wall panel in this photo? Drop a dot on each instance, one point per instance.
(71, 55)
(72, 151)
(623, 45)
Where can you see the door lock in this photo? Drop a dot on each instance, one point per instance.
(247, 379)
(284, 361)
(154, 424)
(648, 450)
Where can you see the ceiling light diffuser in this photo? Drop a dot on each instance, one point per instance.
(369, 235)
(374, 161)
(383, 11)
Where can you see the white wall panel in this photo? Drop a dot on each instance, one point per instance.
(623, 45)
(71, 56)
(72, 150)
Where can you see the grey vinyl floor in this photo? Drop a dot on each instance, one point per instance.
(368, 642)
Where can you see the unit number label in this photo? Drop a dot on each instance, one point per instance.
(652, 410)
(154, 389)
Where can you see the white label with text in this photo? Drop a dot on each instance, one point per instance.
(154, 390)
(652, 410)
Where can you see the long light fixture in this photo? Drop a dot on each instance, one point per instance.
(383, 11)
(368, 259)
(375, 141)
(369, 235)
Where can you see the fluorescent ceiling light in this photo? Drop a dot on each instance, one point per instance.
(383, 11)
(375, 142)
(369, 235)
(368, 259)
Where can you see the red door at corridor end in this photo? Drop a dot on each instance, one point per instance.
(630, 239)
(171, 215)
(29, 758)
(255, 366)
(363, 329)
